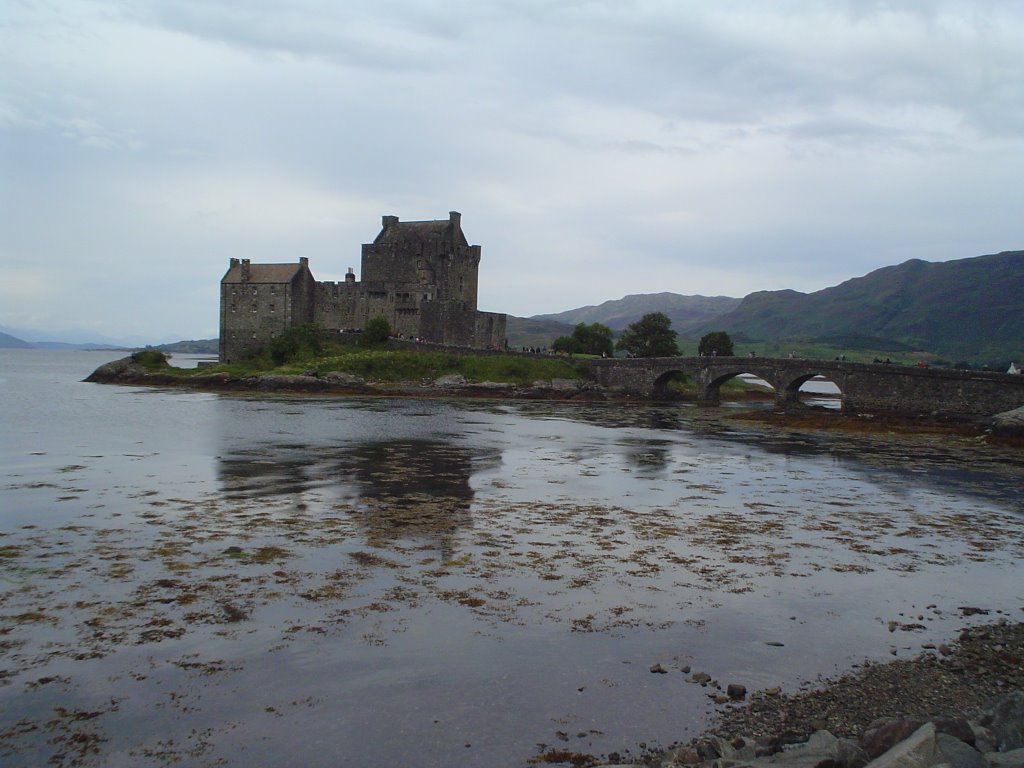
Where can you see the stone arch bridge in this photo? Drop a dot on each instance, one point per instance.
(864, 387)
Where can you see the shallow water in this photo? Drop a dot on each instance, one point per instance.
(226, 580)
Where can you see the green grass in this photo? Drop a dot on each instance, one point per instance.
(394, 365)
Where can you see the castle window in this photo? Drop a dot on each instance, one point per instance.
(272, 308)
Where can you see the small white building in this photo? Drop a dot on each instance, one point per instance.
(1014, 368)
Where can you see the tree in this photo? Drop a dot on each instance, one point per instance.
(715, 343)
(593, 339)
(376, 331)
(650, 336)
(295, 342)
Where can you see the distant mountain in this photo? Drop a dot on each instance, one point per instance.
(968, 309)
(192, 347)
(687, 313)
(68, 346)
(7, 341)
(11, 342)
(531, 332)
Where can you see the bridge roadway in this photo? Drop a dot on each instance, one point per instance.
(864, 387)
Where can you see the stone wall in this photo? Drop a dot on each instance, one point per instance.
(864, 387)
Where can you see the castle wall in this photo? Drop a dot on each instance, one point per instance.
(409, 311)
(419, 276)
(251, 315)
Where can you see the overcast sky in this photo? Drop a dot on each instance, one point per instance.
(595, 149)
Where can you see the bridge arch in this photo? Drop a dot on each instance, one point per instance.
(712, 390)
(660, 388)
(792, 387)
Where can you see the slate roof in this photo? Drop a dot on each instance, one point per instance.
(402, 231)
(264, 273)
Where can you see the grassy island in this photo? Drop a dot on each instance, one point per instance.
(307, 360)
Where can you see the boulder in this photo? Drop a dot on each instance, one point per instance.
(736, 691)
(1009, 422)
(339, 379)
(919, 750)
(957, 754)
(1005, 719)
(1012, 759)
(451, 380)
(821, 749)
(564, 385)
(882, 735)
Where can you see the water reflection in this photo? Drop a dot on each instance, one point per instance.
(396, 489)
(417, 489)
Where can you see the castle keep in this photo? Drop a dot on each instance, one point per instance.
(421, 276)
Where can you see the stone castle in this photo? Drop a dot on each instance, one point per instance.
(421, 276)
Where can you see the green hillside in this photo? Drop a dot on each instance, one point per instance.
(532, 332)
(686, 312)
(968, 309)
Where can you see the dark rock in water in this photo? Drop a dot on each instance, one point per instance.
(701, 678)
(1005, 719)
(233, 613)
(736, 691)
(1009, 422)
(659, 670)
(282, 382)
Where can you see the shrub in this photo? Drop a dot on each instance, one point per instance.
(296, 342)
(376, 331)
(150, 358)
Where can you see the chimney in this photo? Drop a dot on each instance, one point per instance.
(246, 273)
(350, 277)
(456, 219)
(233, 263)
(387, 221)
(304, 261)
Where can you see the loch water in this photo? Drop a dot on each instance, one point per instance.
(205, 579)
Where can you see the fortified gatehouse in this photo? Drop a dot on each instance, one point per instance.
(421, 276)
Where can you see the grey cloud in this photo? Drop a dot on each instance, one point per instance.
(699, 147)
(336, 32)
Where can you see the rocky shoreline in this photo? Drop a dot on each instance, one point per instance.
(1005, 428)
(127, 371)
(971, 691)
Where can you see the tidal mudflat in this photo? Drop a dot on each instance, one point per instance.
(219, 580)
